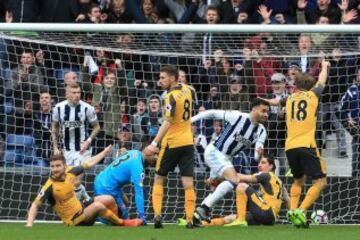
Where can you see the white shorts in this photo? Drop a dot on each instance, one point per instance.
(74, 158)
(217, 161)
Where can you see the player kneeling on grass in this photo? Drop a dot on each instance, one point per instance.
(125, 169)
(59, 190)
(253, 209)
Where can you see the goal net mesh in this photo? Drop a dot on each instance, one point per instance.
(227, 70)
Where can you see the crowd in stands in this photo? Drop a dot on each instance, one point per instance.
(181, 11)
(122, 85)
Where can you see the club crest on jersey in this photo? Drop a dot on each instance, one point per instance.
(168, 107)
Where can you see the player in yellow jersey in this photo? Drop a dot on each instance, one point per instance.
(176, 148)
(59, 191)
(300, 146)
(254, 209)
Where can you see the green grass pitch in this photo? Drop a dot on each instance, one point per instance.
(17, 231)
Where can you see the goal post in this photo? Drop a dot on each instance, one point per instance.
(228, 65)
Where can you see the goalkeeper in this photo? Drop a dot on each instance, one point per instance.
(59, 190)
(126, 168)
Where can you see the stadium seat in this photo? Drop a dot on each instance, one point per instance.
(20, 150)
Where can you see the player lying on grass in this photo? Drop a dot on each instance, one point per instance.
(125, 169)
(59, 190)
(251, 208)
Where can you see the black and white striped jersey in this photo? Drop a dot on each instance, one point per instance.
(239, 132)
(74, 123)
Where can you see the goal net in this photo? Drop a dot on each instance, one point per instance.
(227, 68)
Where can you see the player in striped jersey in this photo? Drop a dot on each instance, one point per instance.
(242, 131)
(72, 117)
(256, 208)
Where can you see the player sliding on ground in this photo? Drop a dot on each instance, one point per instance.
(125, 169)
(300, 146)
(59, 190)
(243, 131)
(253, 209)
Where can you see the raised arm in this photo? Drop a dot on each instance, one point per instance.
(97, 158)
(323, 74)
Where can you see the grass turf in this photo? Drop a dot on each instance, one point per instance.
(17, 231)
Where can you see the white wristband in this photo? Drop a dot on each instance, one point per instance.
(89, 139)
(154, 143)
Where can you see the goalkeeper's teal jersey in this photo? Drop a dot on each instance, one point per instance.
(125, 169)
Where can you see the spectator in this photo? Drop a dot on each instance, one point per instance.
(293, 69)
(124, 111)
(93, 15)
(236, 98)
(123, 143)
(137, 119)
(44, 115)
(24, 123)
(150, 124)
(71, 78)
(324, 7)
(350, 115)
(118, 12)
(276, 120)
(264, 67)
(107, 96)
(307, 63)
(224, 69)
(26, 81)
(22, 11)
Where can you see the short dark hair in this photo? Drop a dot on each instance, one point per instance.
(57, 157)
(26, 50)
(171, 70)
(213, 8)
(304, 81)
(141, 100)
(92, 6)
(258, 101)
(270, 159)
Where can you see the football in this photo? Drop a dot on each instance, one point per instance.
(319, 217)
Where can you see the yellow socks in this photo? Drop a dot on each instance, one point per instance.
(109, 215)
(214, 222)
(295, 193)
(157, 198)
(190, 199)
(312, 194)
(241, 203)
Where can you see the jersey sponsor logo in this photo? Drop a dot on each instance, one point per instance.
(72, 124)
(240, 138)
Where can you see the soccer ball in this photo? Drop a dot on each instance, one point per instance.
(319, 217)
